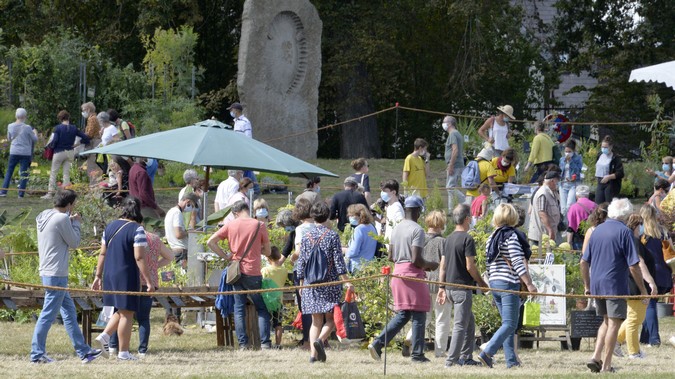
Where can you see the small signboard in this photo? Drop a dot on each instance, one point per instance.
(585, 324)
(550, 279)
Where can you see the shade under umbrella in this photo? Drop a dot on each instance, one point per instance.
(209, 143)
(663, 73)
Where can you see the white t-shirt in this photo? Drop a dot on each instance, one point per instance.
(174, 218)
(395, 214)
(109, 134)
(602, 165)
(243, 125)
(226, 189)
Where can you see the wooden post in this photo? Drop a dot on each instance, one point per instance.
(252, 326)
(220, 332)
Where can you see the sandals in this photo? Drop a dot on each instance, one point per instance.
(594, 366)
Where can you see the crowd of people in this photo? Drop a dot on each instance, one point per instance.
(622, 247)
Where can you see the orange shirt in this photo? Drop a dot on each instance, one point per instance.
(239, 233)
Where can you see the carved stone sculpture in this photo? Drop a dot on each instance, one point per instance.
(279, 73)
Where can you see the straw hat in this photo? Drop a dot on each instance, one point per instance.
(507, 110)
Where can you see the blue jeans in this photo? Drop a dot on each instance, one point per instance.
(650, 326)
(509, 307)
(56, 301)
(24, 163)
(568, 196)
(248, 282)
(397, 323)
(143, 318)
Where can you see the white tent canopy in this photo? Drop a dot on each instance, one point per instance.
(663, 73)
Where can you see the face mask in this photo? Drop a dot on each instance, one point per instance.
(642, 230)
(665, 167)
(505, 163)
(353, 220)
(289, 228)
(189, 208)
(385, 196)
(317, 189)
(233, 115)
(445, 126)
(262, 212)
(605, 150)
(568, 155)
(85, 114)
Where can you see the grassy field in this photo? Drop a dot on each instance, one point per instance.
(195, 355)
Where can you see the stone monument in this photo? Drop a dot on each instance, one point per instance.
(279, 73)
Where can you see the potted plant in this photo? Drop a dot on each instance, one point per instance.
(487, 316)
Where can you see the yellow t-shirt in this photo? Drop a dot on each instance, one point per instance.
(486, 170)
(278, 274)
(502, 176)
(417, 177)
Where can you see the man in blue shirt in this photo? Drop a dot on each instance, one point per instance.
(611, 254)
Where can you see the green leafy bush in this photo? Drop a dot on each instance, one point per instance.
(373, 296)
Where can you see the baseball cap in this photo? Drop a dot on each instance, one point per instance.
(351, 181)
(414, 202)
(236, 106)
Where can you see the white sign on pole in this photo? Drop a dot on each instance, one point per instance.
(550, 279)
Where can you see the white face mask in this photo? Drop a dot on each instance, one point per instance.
(85, 114)
(233, 115)
(189, 208)
(567, 155)
(446, 126)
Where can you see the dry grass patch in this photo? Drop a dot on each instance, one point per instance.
(195, 355)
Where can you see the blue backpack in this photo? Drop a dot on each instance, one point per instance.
(471, 175)
(317, 266)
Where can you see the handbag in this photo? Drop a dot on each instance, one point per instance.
(354, 328)
(48, 152)
(233, 269)
(531, 314)
(562, 226)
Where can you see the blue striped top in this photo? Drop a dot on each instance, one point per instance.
(499, 269)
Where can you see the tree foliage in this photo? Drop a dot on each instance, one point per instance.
(169, 61)
(609, 39)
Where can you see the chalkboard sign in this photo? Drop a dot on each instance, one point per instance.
(585, 324)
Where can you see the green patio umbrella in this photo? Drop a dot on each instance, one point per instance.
(209, 143)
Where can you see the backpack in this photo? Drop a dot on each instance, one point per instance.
(317, 266)
(471, 175)
(132, 130)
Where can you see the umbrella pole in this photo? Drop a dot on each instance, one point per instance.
(205, 191)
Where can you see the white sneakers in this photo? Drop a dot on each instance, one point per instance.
(103, 341)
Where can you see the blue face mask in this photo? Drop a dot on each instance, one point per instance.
(354, 221)
(642, 229)
(317, 189)
(605, 150)
(289, 228)
(262, 212)
(385, 196)
(665, 167)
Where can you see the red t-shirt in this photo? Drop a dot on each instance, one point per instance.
(239, 233)
(477, 206)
